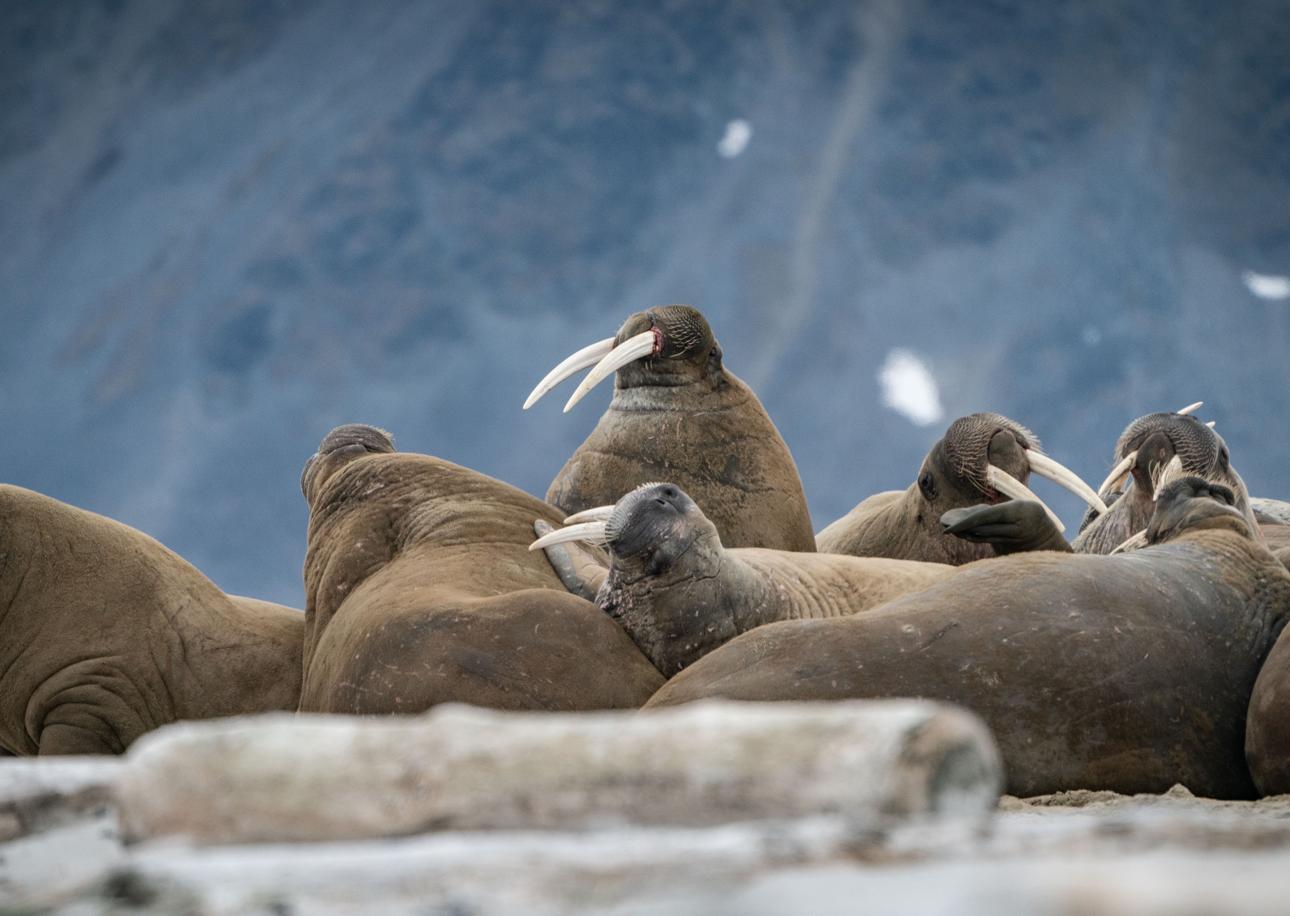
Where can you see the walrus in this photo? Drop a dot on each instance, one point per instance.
(679, 593)
(679, 414)
(1152, 451)
(107, 634)
(1130, 672)
(420, 590)
(983, 457)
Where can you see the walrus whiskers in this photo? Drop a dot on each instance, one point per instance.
(587, 356)
(1011, 487)
(643, 344)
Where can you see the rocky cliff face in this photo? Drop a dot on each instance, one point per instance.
(227, 226)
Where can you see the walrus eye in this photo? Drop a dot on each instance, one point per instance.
(927, 485)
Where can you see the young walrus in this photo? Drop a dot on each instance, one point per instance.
(679, 414)
(419, 590)
(1130, 672)
(680, 593)
(106, 634)
(982, 458)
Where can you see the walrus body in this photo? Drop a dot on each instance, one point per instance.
(678, 414)
(1267, 735)
(680, 593)
(107, 635)
(420, 590)
(1130, 672)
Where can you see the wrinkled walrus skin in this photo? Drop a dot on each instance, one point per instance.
(1129, 672)
(105, 634)
(420, 589)
(1267, 728)
(682, 416)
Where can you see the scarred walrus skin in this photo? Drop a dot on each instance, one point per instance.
(678, 414)
(681, 594)
(106, 634)
(420, 590)
(983, 457)
(1129, 672)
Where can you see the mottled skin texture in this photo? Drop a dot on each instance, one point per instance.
(1129, 672)
(420, 590)
(680, 594)
(905, 525)
(1157, 438)
(682, 416)
(105, 634)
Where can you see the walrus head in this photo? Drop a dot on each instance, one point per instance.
(1193, 504)
(666, 346)
(646, 532)
(1152, 452)
(986, 457)
(340, 446)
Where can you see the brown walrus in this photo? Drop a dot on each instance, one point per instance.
(983, 457)
(107, 634)
(678, 414)
(1152, 451)
(1129, 672)
(1267, 727)
(680, 593)
(420, 590)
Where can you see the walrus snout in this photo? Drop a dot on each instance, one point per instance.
(338, 447)
(1193, 502)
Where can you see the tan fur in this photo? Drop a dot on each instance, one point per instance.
(420, 590)
(107, 634)
(1126, 672)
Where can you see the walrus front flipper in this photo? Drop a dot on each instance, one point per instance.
(581, 568)
(1015, 526)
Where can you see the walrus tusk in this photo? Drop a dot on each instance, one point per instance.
(1212, 423)
(1119, 472)
(630, 350)
(1172, 471)
(1010, 486)
(1064, 477)
(593, 532)
(1190, 409)
(1133, 542)
(587, 356)
(594, 514)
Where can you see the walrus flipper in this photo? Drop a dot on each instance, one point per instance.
(581, 568)
(1015, 526)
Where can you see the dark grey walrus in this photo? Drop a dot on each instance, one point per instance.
(678, 414)
(420, 590)
(982, 458)
(680, 593)
(1267, 735)
(106, 634)
(1129, 672)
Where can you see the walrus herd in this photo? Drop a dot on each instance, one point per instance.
(674, 559)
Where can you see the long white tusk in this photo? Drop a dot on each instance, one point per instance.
(1172, 471)
(1190, 408)
(1132, 543)
(630, 350)
(1065, 478)
(594, 514)
(587, 356)
(1118, 473)
(592, 532)
(1010, 486)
